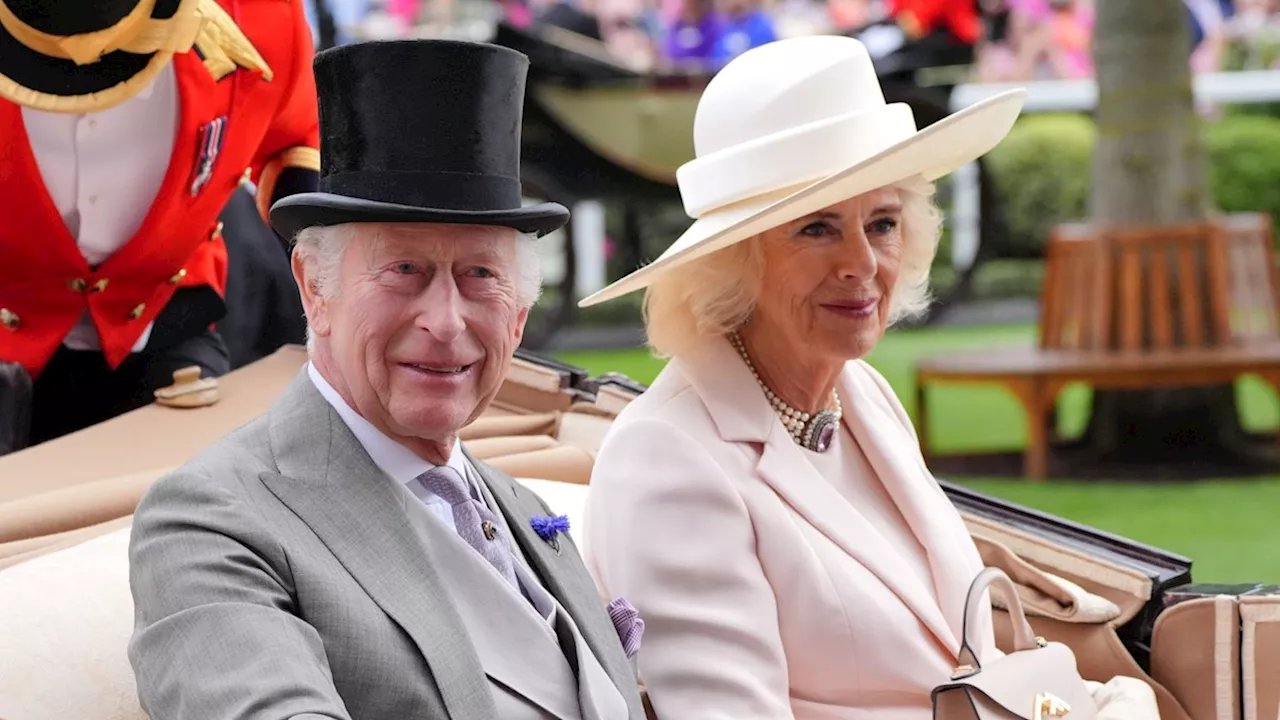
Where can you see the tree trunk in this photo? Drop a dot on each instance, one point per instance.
(1150, 168)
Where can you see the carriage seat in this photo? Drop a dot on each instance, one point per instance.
(66, 611)
(67, 616)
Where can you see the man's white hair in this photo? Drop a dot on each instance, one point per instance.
(322, 248)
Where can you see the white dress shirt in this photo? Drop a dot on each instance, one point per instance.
(399, 462)
(404, 466)
(103, 170)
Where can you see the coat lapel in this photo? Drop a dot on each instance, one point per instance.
(328, 480)
(598, 697)
(953, 561)
(516, 647)
(742, 414)
(565, 577)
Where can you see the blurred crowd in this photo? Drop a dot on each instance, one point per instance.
(1051, 39)
(1036, 39)
(1015, 40)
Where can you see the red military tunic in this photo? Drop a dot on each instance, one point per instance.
(46, 284)
(960, 17)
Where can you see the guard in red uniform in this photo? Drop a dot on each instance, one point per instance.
(919, 18)
(125, 126)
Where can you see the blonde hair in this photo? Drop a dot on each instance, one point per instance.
(715, 294)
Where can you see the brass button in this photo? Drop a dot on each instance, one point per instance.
(9, 318)
(136, 313)
(100, 285)
(177, 277)
(488, 529)
(78, 285)
(217, 232)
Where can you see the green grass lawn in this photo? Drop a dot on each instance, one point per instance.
(1226, 526)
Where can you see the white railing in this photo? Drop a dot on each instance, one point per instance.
(1243, 87)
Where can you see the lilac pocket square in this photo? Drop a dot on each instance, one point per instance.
(629, 625)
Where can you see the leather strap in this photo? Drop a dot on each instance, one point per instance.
(1024, 638)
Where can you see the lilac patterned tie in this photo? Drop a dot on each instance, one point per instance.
(475, 523)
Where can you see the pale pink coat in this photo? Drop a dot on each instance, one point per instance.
(767, 595)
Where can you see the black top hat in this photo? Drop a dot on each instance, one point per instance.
(419, 131)
(40, 69)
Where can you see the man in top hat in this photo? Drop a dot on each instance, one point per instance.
(127, 125)
(342, 556)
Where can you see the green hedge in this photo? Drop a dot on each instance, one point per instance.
(1042, 172)
(1245, 171)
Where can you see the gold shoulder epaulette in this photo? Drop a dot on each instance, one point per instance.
(224, 46)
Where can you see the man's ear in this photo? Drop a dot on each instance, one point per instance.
(522, 317)
(315, 305)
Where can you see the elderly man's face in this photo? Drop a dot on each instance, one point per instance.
(422, 325)
(829, 277)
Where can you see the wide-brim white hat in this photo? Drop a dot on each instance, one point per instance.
(794, 126)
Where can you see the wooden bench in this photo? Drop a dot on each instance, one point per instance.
(1178, 306)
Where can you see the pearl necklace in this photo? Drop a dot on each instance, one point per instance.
(814, 432)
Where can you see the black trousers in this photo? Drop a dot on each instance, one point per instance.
(77, 388)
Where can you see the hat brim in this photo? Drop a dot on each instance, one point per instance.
(292, 214)
(935, 151)
(32, 79)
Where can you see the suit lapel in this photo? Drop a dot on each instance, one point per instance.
(565, 577)
(742, 414)
(328, 480)
(516, 647)
(598, 697)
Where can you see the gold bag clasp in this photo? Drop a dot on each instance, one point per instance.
(1050, 706)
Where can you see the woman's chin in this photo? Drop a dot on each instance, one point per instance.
(854, 344)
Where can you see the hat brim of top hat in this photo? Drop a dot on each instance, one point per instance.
(293, 213)
(42, 82)
(935, 151)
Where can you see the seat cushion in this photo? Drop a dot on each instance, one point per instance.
(65, 622)
(66, 618)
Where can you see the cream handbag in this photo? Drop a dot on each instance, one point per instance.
(1037, 681)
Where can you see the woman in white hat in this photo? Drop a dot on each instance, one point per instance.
(764, 504)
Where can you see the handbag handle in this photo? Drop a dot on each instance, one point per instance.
(1024, 638)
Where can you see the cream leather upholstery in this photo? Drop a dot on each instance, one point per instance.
(66, 618)
(65, 621)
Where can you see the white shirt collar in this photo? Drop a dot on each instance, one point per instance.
(150, 88)
(147, 91)
(397, 461)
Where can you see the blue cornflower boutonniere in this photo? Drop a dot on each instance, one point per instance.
(549, 527)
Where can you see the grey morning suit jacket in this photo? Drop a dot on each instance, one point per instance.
(280, 574)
